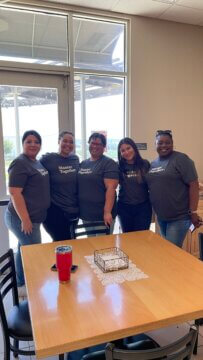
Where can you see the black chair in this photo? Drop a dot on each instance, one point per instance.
(199, 322)
(136, 342)
(181, 349)
(200, 237)
(16, 324)
(89, 229)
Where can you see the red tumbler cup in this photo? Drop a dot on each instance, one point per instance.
(64, 262)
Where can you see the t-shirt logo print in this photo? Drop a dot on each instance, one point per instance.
(66, 169)
(157, 169)
(43, 172)
(85, 171)
(131, 174)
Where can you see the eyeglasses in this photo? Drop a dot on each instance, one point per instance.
(164, 132)
(96, 144)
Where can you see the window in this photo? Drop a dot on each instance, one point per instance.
(21, 107)
(33, 37)
(99, 96)
(98, 45)
(103, 97)
(56, 71)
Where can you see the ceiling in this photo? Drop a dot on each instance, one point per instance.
(184, 11)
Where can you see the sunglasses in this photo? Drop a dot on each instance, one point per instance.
(164, 132)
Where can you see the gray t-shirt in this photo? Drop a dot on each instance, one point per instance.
(34, 179)
(168, 182)
(63, 180)
(92, 190)
(133, 189)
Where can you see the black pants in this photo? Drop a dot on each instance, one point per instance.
(134, 217)
(58, 223)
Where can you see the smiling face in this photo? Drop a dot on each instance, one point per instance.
(96, 148)
(164, 145)
(128, 153)
(66, 145)
(31, 146)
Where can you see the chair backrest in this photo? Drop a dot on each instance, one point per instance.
(90, 229)
(200, 236)
(179, 350)
(7, 283)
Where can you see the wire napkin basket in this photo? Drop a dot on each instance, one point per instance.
(111, 259)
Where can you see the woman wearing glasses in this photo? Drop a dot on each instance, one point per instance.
(173, 188)
(97, 182)
(134, 208)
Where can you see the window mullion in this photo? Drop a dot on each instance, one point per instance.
(2, 161)
(83, 117)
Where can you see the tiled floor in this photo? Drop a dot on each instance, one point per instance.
(163, 337)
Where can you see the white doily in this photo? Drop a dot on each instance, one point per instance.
(116, 277)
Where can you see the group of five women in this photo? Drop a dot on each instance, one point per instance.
(88, 189)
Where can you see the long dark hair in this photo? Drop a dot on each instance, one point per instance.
(138, 160)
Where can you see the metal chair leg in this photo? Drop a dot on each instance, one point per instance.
(16, 346)
(196, 342)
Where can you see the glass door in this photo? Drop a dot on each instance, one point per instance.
(29, 101)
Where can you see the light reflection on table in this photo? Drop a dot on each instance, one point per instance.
(84, 290)
(113, 292)
(49, 292)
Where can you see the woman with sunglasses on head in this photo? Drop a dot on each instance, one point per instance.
(62, 168)
(97, 182)
(134, 208)
(174, 190)
(30, 198)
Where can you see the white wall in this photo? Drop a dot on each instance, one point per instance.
(167, 85)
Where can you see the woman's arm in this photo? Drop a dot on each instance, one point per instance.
(21, 209)
(111, 185)
(193, 202)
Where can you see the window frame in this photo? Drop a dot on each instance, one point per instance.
(70, 71)
(60, 82)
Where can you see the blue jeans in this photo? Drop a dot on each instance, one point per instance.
(174, 231)
(13, 223)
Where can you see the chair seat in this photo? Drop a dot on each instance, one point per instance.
(137, 342)
(140, 342)
(18, 319)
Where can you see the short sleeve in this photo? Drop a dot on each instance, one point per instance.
(111, 170)
(186, 167)
(18, 174)
(146, 166)
(45, 160)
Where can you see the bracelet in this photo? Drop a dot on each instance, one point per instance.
(190, 212)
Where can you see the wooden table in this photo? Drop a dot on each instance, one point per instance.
(83, 312)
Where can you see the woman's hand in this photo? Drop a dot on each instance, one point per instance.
(21, 209)
(107, 218)
(26, 226)
(196, 220)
